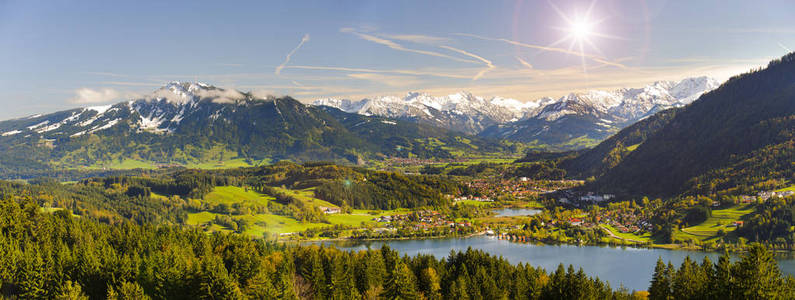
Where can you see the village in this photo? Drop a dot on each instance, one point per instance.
(521, 187)
(420, 220)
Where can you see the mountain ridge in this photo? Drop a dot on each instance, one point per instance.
(194, 123)
(596, 114)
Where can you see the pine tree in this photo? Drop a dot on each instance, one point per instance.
(757, 275)
(400, 284)
(31, 274)
(71, 291)
(216, 282)
(127, 291)
(430, 284)
(722, 281)
(312, 271)
(458, 289)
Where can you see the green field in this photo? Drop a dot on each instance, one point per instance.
(232, 194)
(790, 188)
(633, 147)
(721, 219)
(307, 196)
(473, 202)
(125, 164)
(646, 237)
(270, 223)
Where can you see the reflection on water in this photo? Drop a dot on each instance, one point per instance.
(514, 212)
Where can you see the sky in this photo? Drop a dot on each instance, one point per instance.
(56, 55)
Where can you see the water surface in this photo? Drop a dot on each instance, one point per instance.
(630, 267)
(514, 212)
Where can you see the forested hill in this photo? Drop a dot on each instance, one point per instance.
(596, 161)
(734, 137)
(192, 124)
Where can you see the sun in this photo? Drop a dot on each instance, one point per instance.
(580, 30)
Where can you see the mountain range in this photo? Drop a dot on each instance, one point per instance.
(194, 123)
(570, 122)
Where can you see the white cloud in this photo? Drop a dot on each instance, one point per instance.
(91, 96)
(417, 38)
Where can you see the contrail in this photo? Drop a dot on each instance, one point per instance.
(399, 47)
(278, 70)
(489, 65)
(404, 72)
(545, 48)
(784, 47)
(524, 63)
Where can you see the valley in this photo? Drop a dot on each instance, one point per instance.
(397, 150)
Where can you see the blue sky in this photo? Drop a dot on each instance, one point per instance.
(61, 54)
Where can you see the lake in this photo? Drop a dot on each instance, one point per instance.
(516, 212)
(630, 267)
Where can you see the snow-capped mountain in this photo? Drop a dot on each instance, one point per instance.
(186, 122)
(159, 112)
(598, 112)
(461, 111)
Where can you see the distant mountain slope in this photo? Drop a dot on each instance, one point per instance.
(187, 123)
(581, 120)
(734, 137)
(571, 122)
(596, 161)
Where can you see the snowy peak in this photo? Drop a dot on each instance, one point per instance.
(467, 112)
(461, 111)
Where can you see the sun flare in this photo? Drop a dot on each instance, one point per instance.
(580, 29)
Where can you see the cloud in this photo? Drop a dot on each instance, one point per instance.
(289, 55)
(91, 96)
(130, 83)
(489, 65)
(390, 80)
(550, 49)
(398, 47)
(418, 38)
(221, 95)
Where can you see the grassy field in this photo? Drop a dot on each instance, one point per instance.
(232, 163)
(125, 164)
(259, 224)
(633, 147)
(646, 237)
(307, 196)
(721, 219)
(790, 188)
(232, 194)
(473, 202)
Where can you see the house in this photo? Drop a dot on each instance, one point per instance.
(575, 221)
(330, 210)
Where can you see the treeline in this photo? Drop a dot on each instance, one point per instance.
(184, 183)
(772, 221)
(755, 276)
(546, 170)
